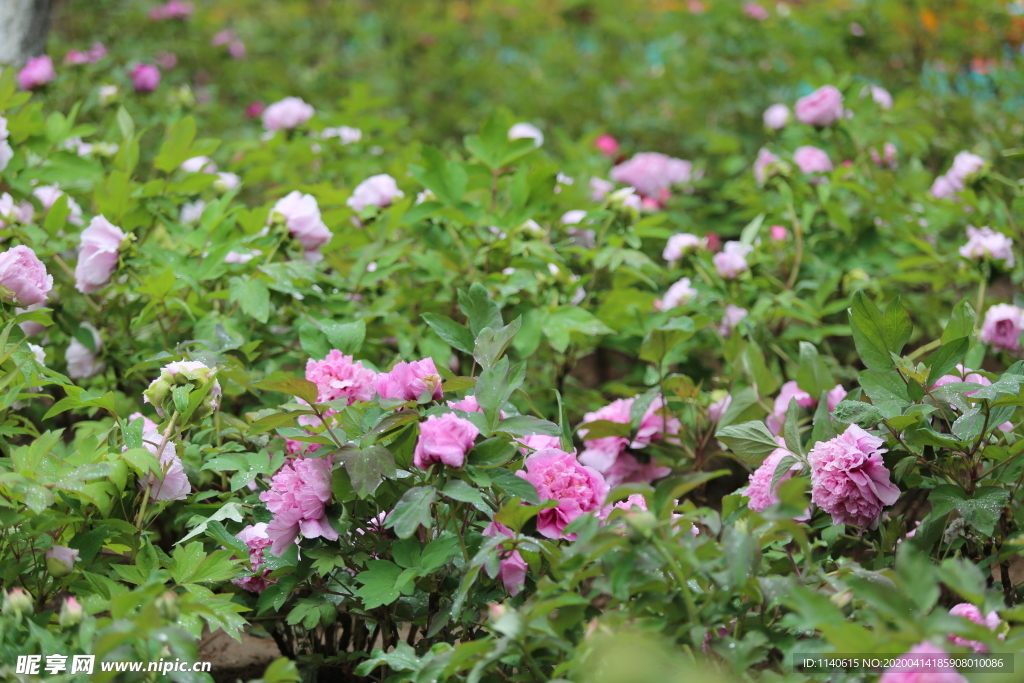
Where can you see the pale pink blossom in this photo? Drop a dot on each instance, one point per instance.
(290, 112)
(576, 488)
(62, 555)
(823, 107)
(985, 242)
(812, 160)
(599, 188)
(849, 480)
(732, 317)
(257, 539)
(538, 442)
(573, 217)
(340, 376)
(679, 245)
(880, 95)
(24, 276)
(755, 11)
(608, 454)
(925, 663)
(444, 439)
(301, 215)
(97, 259)
(48, 196)
(170, 483)
(409, 381)
(174, 9)
(379, 190)
(651, 173)
(511, 566)
(298, 497)
(197, 164)
(732, 260)
(606, 144)
(1003, 326)
(966, 610)
(760, 490)
(788, 392)
(526, 130)
(764, 159)
(834, 396)
(776, 116)
(717, 409)
(679, 293)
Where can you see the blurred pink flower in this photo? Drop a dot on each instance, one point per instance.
(302, 217)
(145, 78)
(606, 144)
(823, 107)
(776, 116)
(932, 667)
(290, 112)
(965, 609)
(651, 173)
(511, 567)
(732, 260)
(812, 160)
(255, 536)
(97, 260)
(174, 9)
(36, 72)
(760, 490)
(379, 190)
(1003, 326)
(985, 242)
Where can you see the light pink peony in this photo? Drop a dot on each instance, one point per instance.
(965, 165)
(538, 442)
(558, 476)
(171, 483)
(608, 455)
(338, 376)
(255, 536)
(602, 452)
(48, 196)
(24, 276)
(30, 327)
(289, 113)
(776, 116)
(945, 187)
(764, 159)
(849, 480)
(679, 245)
(379, 190)
(94, 54)
(760, 491)
(732, 260)
(732, 317)
(36, 72)
(755, 11)
(302, 217)
(145, 78)
(717, 409)
(823, 107)
(985, 242)
(174, 9)
(965, 609)
(198, 164)
(511, 567)
(652, 173)
(907, 670)
(408, 381)
(812, 160)
(1003, 326)
(63, 555)
(606, 144)
(298, 495)
(789, 391)
(97, 260)
(634, 502)
(444, 439)
(679, 293)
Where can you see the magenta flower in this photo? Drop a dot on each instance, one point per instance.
(823, 107)
(36, 72)
(558, 476)
(255, 536)
(991, 621)
(290, 112)
(511, 566)
(635, 502)
(338, 376)
(849, 480)
(925, 663)
(379, 190)
(755, 11)
(97, 260)
(444, 439)
(1003, 326)
(24, 276)
(834, 396)
(145, 78)
(789, 391)
(409, 381)
(298, 496)
(760, 490)
(607, 145)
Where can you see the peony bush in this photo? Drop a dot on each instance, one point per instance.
(633, 384)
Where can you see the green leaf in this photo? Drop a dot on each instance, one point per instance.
(479, 310)
(252, 296)
(412, 511)
(886, 390)
(898, 327)
(869, 333)
(750, 441)
(512, 485)
(813, 375)
(860, 413)
(961, 322)
(791, 428)
(823, 429)
(525, 425)
(439, 552)
(456, 489)
(753, 363)
(368, 467)
(451, 332)
(493, 452)
(446, 179)
(379, 583)
(293, 386)
(490, 344)
(176, 148)
(561, 322)
(345, 337)
(946, 358)
(980, 512)
(232, 511)
(660, 341)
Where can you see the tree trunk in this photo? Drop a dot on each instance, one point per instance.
(23, 28)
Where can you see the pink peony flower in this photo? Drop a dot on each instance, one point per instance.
(29, 327)
(732, 260)
(907, 668)
(717, 409)
(634, 502)
(171, 483)
(776, 116)
(823, 107)
(573, 217)
(558, 476)
(760, 491)
(945, 187)
(338, 376)
(732, 317)
(174, 9)
(965, 165)
(849, 480)
(1003, 326)
(539, 442)
(255, 536)
(97, 260)
(679, 293)
(379, 190)
(812, 160)
(779, 233)
(289, 113)
(48, 196)
(81, 360)
(409, 381)
(608, 455)
(889, 160)
(511, 567)
(298, 495)
(967, 376)
(599, 188)
(651, 173)
(254, 109)
(965, 609)
(755, 11)
(761, 164)
(145, 78)
(198, 164)
(606, 144)
(679, 245)
(36, 72)
(24, 276)
(444, 439)
(62, 556)
(166, 60)
(985, 242)
(528, 131)
(879, 94)
(834, 396)
(302, 217)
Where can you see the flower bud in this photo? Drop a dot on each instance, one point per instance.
(161, 391)
(640, 524)
(167, 605)
(71, 613)
(17, 602)
(60, 560)
(626, 203)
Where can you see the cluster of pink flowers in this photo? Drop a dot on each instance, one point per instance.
(173, 9)
(289, 113)
(298, 496)
(652, 173)
(38, 71)
(94, 54)
(1003, 326)
(379, 190)
(444, 439)
(301, 215)
(97, 260)
(965, 167)
(558, 476)
(985, 242)
(338, 375)
(849, 480)
(821, 108)
(171, 484)
(887, 158)
(24, 276)
(256, 537)
(145, 78)
(732, 260)
(409, 381)
(609, 455)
